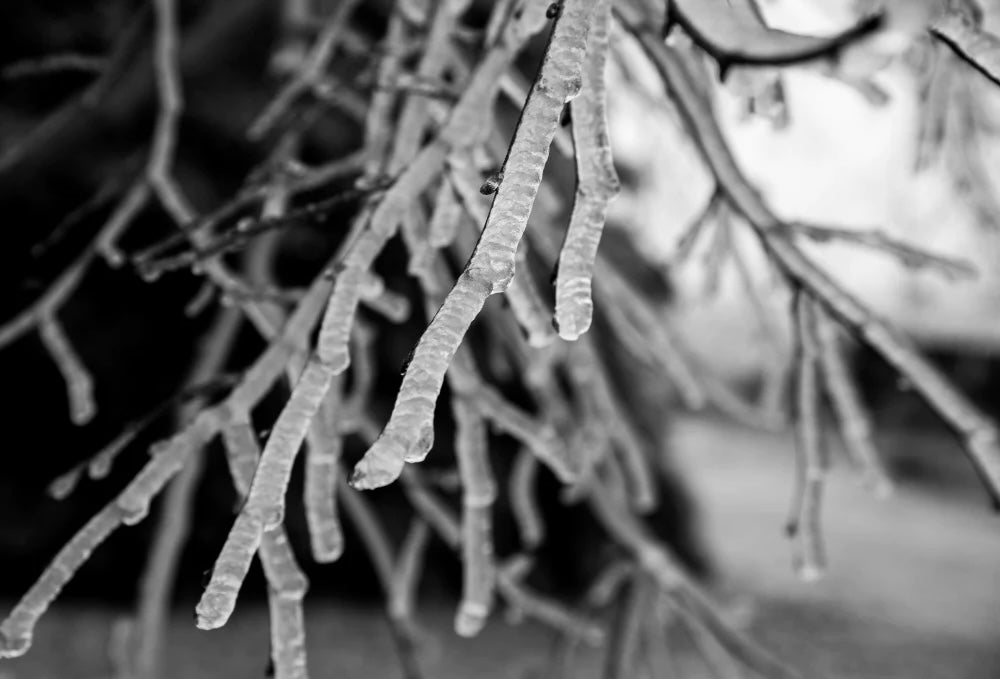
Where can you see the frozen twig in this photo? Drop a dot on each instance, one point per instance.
(376, 543)
(855, 423)
(128, 508)
(734, 32)
(525, 300)
(407, 571)
(689, 237)
(264, 509)
(970, 41)
(410, 432)
(286, 582)
(626, 631)
(551, 613)
(523, 503)
(909, 255)
(166, 460)
(462, 130)
(596, 185)
(324, 446)
(804, 521)
(478, 494)
(157, 583)
(159, 171)
(60, 62)
(79, 383)
(127, 210)
(309, 75)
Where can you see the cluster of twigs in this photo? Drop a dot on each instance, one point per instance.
(419, 175)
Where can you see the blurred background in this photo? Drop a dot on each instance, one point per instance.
(914, 581)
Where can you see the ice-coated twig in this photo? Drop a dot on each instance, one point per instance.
(978, 432)
(128, 508)
(970, 41)
(59, 62)
(446, 217)
(523, 503)
(549, 612)
(159, 170)
(719, 249)
(596, 185)
(130, 206)
(99, 465)
(936, 87)
(855, 423)
(478, 494)
(530, 310)
(219, 598)
(964, 159)
(432, 66)
(407, 571)
(773, 373)
(734, 32)
(376, 543)
(637, 324)
(323, 449)
(379, 119)
(157, 583)
(167, 459)
(689, 237)
(463, 129)
(589, 375)
(609, 582)
(286, 582)
(363, 374)
(309, 74)
(286, 589)
(620, 660)
(515, 86)
(537, 435)
(717, 660)
(409, 434)
(804, 521)
(910, 256)
(79, 383)
(264, 509)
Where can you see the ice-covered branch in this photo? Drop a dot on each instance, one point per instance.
(804, 522)
(410, 432)
(478, 494)
(734, 32)
(596, 185)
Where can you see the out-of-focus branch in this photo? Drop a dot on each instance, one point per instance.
(978, 432)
